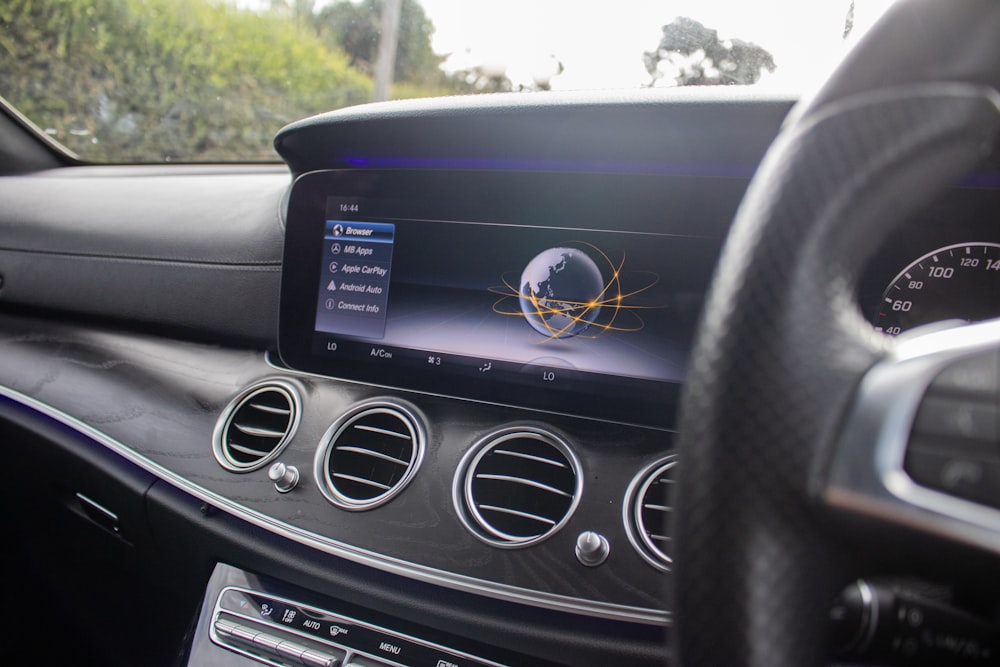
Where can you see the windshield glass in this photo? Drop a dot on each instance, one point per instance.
(213, 80)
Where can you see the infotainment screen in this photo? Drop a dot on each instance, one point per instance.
(421, 286)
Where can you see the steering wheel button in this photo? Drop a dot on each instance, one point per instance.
(973, 479)
(978, 375)
(958, 418)
(977, 450)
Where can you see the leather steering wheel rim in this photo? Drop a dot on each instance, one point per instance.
(782, 347)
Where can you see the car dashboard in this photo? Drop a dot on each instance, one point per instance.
(409, 399)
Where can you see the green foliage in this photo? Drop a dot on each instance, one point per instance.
(479, 80)
(355, 27)
(162, 80)
(696, 56)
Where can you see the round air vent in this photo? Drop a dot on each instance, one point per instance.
(649, 512)
(517, 487)
(256, 426)
(369, 455)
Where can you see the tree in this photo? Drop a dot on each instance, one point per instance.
(849, 20)
(695, 56)
(480, 79)
(355, 28)
(156, 80)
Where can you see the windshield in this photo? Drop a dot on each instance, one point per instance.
(128, 81)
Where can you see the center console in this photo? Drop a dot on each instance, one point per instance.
(248, 620)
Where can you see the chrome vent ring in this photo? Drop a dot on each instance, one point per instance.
(369, 455)
(518, 487)
(256, 426)
(649, 512)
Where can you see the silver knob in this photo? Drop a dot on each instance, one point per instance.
(285, 478)
(592, 549)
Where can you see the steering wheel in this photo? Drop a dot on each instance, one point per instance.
(796, 414)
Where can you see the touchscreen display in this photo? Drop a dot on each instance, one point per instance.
(583, 320)
(545, 303)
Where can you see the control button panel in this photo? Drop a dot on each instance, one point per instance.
(280, 631)
(954, 445)
(259, 640)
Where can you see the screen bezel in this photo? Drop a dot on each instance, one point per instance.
(525, 199)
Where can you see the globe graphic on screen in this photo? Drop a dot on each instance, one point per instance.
(560, 292)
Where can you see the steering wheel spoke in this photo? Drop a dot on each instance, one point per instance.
(921, 446)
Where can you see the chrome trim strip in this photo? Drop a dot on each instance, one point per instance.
(422, 573)
(867, 476)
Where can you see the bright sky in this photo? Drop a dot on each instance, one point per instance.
(601, 43)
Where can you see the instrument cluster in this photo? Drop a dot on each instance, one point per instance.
(942, 266)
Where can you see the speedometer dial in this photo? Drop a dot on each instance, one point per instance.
(960, 281)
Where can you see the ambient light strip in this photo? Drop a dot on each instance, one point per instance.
(380, 562)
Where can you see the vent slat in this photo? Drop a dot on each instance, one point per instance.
(524, 515)
(259, 432)
(526, 482)
(372, 453)
(249, 451)
(383, 431)
(529, 457)
(272, 409)
(362, 480)
(657, 508)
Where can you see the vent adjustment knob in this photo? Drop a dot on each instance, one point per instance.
(285, 478)
(592, 549)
